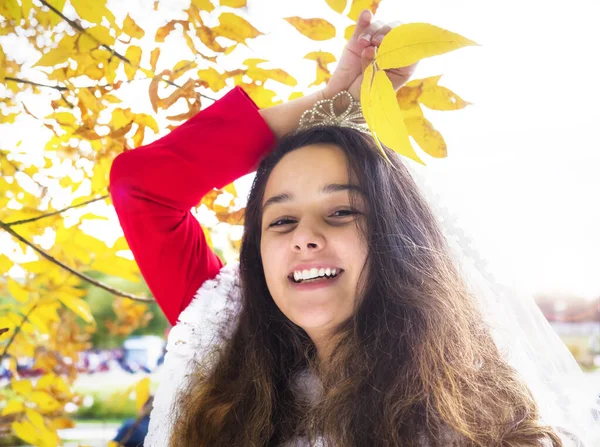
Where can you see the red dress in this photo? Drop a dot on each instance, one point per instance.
(154, 187)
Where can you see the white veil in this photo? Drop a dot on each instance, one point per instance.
(523, 335)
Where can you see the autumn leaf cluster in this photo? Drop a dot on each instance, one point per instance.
(77, 92)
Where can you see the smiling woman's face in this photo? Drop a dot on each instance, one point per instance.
(309, 227)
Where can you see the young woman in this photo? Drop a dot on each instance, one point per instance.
(345, 323)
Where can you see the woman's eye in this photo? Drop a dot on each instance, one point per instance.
(281, 222)
(344, 213)
(286, 221)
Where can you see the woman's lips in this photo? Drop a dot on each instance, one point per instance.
(315, 284)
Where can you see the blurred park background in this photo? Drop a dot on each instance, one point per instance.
(81, 342)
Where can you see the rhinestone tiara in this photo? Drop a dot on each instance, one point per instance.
(323, 114)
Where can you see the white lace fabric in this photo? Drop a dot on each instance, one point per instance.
(200, 327)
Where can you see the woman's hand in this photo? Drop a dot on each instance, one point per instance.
(359, 53)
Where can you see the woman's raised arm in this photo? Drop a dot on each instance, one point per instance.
(154, 187)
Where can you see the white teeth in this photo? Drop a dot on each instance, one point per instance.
(314, 273)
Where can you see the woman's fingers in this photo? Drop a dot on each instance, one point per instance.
(367, 57)
(380, 34)
(364, 20)
(370, 31)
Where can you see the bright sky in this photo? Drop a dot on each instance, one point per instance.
(524, 160)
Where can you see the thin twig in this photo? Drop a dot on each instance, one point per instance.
(25, 81)
(17, 330)
(43, 216)
(78, 27)
(73, 271)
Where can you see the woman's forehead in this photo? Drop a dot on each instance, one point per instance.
(309, 168)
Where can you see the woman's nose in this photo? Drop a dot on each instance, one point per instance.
(307, 239)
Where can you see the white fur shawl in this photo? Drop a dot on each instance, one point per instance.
(211, 316)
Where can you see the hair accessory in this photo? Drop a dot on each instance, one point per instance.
(323, 114)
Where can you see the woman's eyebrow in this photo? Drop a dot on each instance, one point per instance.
(327, 189)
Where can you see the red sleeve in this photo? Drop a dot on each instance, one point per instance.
(153, 188)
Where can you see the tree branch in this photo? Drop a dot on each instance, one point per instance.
(73, 271)
(17, 330)
(25, 81)
(43, 216)
(78, 27)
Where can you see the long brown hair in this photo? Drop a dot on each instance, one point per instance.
(414, 360)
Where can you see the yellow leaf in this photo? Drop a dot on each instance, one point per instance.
(90, 11)
(315, 29)
(121, 118)
(53, 57)
(337, 5)
(211, 78)
(18, 292)
(62, 423)
(63, 118)
(101, 34)
(138, 136)
(181, 67)
(203, 5)
(26, 7)
(36, 418)
(386, 121)
(117, 266)
(437, 97)
(359, 5)
(295, 95)
(349, 32)
(261, 96)
(207, 37)
(262, 74)
(322, 59)
(26, 431)
(233, 3)
(59, 5)
(164, 31)
(87, 216)
(120, 244)
(142, 393)
(45, 402)
(79, 307)
(88, 99)
(46, 437)
(13, 9)
(231, 189)
(13, 406)
(5, 264)
(153, 58)
(86, 43)
(144, 119)
(2, 64)
(134, 54)
(22, 387)
(427, 137)
(131, 28)
(8, 119)
(110, 69)
(235, 28)
(407, 44)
